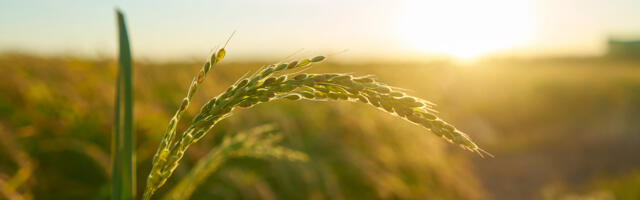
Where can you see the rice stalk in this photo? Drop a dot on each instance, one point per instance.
(155, 178)
(267, 85)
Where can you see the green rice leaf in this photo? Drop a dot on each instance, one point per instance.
(123, 183)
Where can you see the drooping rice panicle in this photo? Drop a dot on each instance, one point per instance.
(263, 87)
(267, 85)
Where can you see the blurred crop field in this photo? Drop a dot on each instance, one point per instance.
(559, 129)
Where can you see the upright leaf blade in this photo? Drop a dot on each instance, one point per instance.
(123, 185)
(116, 176)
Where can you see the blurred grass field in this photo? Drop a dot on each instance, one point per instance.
(559, 128)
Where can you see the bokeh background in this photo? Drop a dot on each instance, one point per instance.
(551, 88)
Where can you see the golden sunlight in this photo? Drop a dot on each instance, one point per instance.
(465, 29)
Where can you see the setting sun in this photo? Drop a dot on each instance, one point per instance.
(464, 29)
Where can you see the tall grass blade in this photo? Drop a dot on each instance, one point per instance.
(123, 185)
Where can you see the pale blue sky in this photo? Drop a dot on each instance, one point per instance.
(167, 30)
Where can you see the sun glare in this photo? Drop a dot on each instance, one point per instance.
(465, 29)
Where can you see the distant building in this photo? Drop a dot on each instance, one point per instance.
(623, 48)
